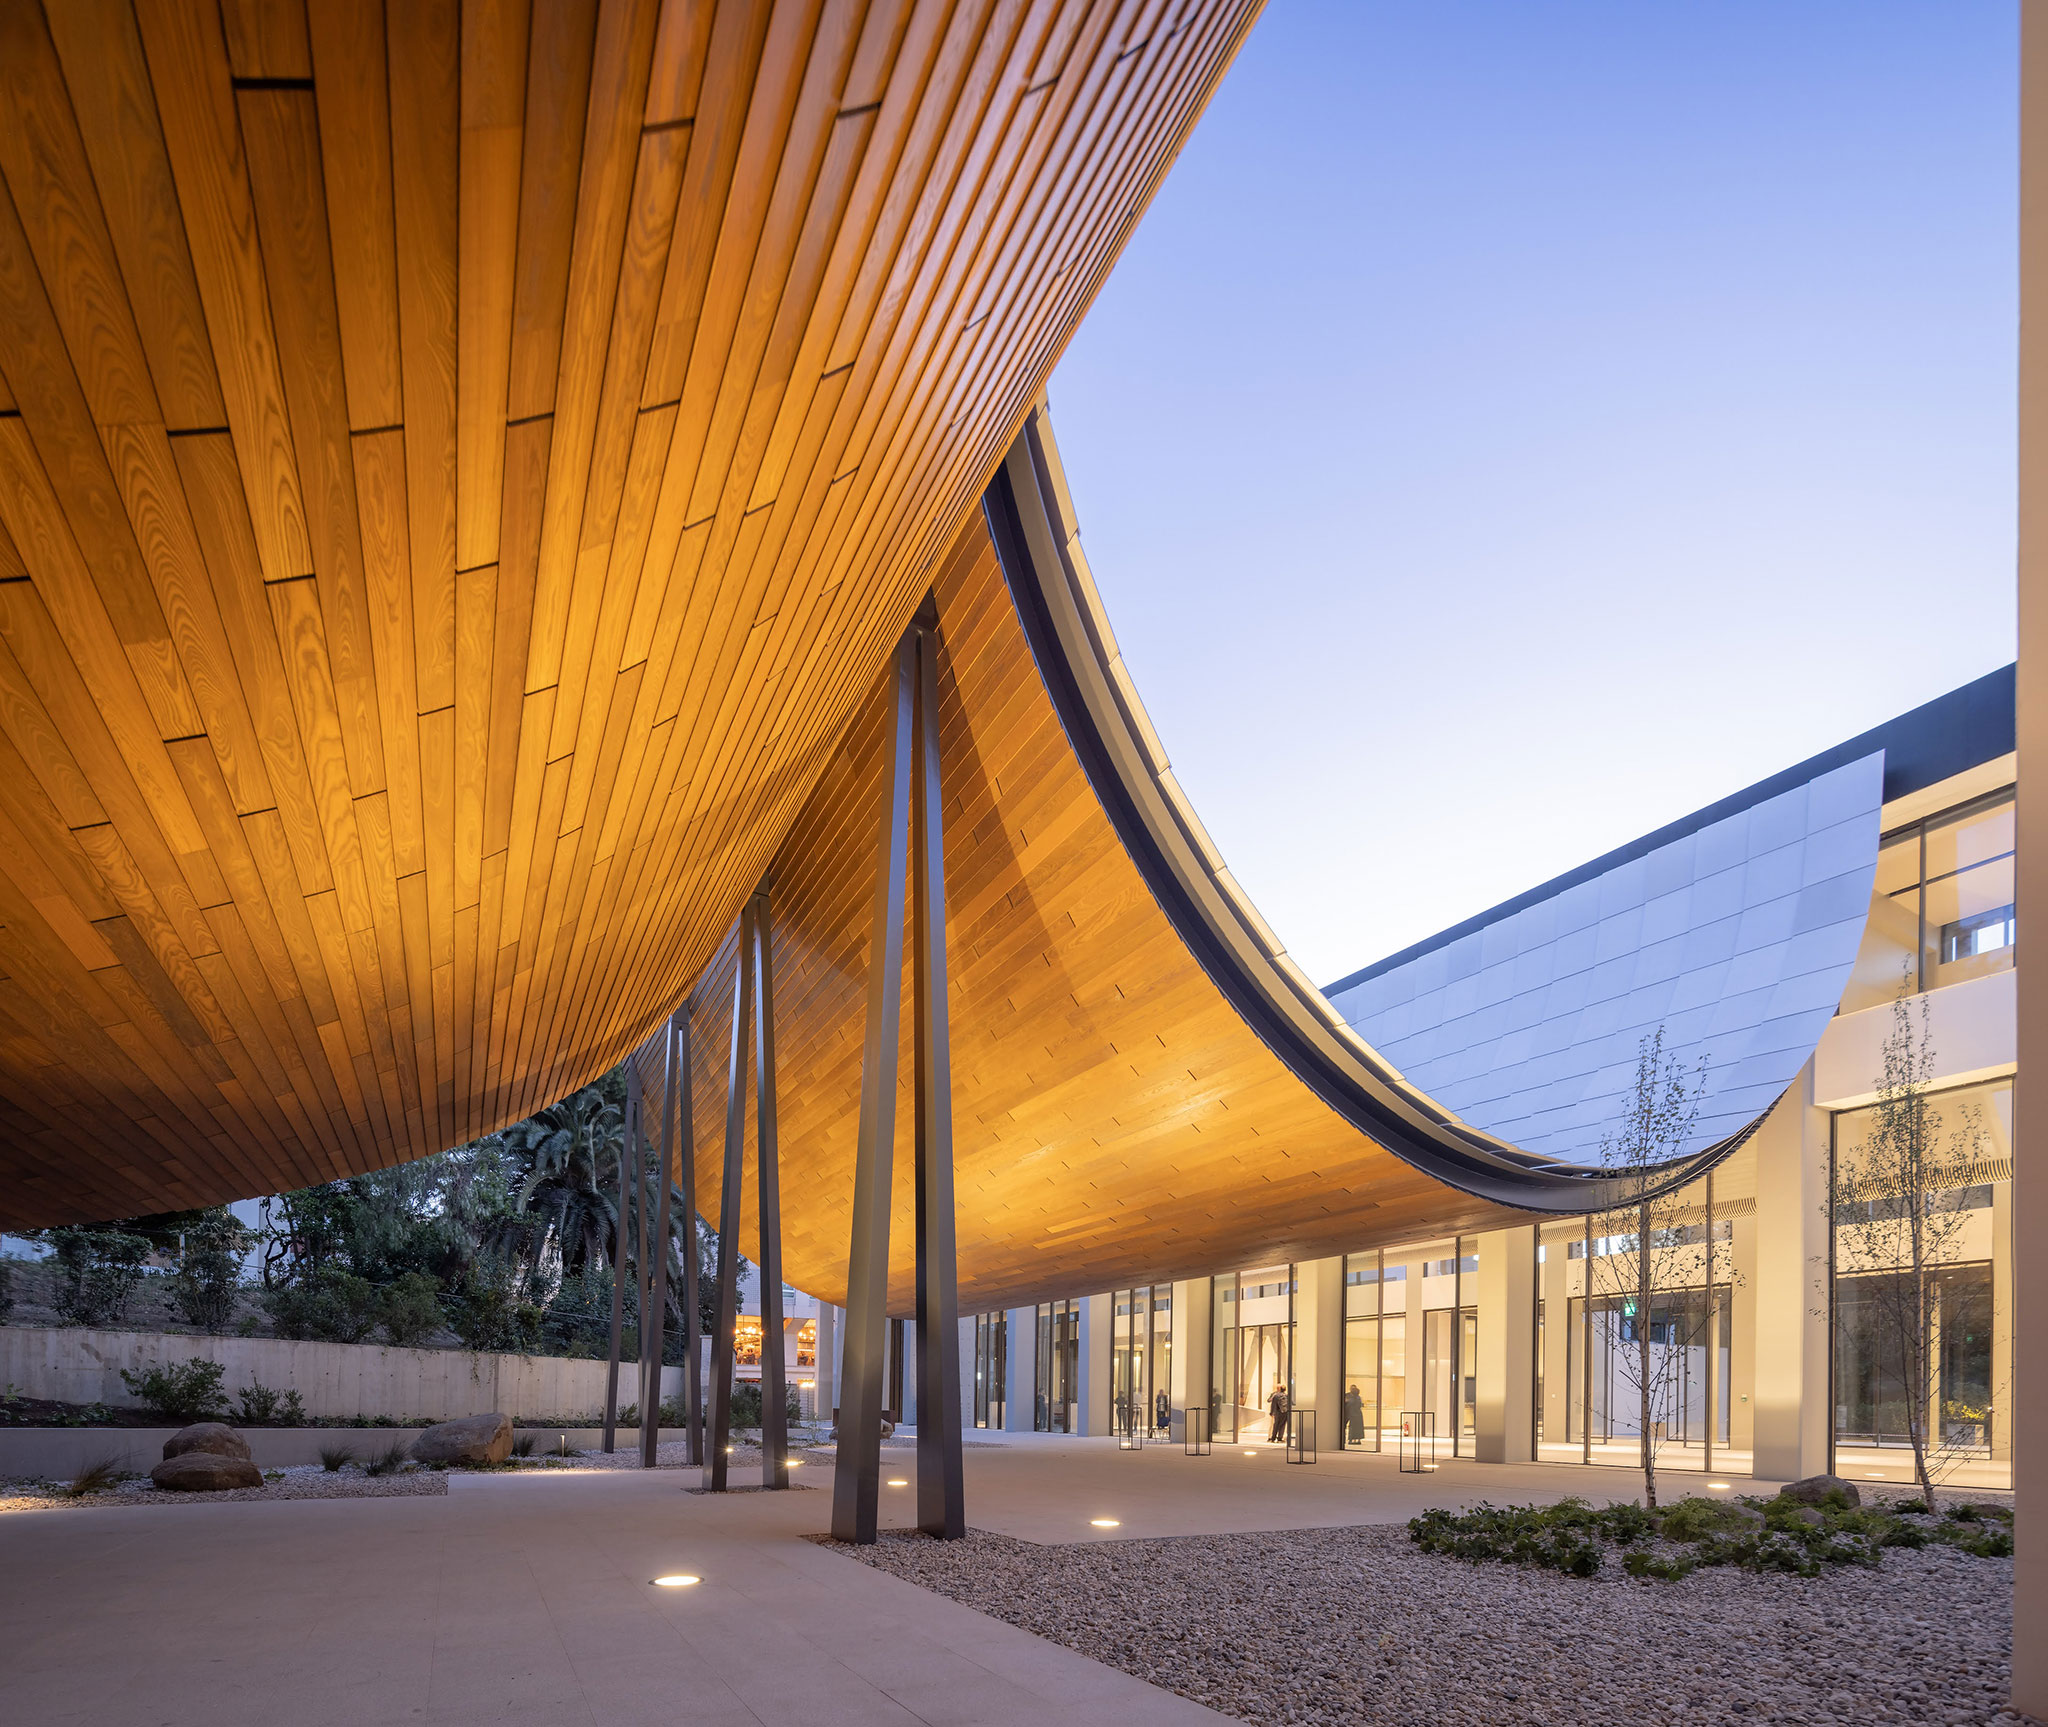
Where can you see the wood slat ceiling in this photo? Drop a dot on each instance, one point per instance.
(460, 468)
(1115, 1121)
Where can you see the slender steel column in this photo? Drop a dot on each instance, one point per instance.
(655, 1327)
(729, 1213)
(857, 1473)
(941, 1494)
(611, 1374)
(774, 1416)
(686, 1194)
(637, 1143)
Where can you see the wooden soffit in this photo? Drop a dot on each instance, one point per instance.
(461, 466)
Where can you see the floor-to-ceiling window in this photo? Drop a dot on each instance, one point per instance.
(1056, 1402)
(991, 1367)
(1253, 1358)
(1141, 1370)
(1375, 1351)
(1939, 1345)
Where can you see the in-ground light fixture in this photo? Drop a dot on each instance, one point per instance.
(677, 1580)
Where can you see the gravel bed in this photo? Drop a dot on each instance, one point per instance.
(311, 1482)
(1357, 1625)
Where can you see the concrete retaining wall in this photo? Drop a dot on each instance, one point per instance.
(334, 1380)
(58, 1453)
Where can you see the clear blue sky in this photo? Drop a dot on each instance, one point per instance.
(1516, 425)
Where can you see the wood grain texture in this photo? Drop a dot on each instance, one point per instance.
(461, 468)
(1114, 1120)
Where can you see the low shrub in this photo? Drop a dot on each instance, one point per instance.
(391, 1460)
(187, 1392)
(522, 1445)
(261, 1406)
(1751, 1534)
(99, 1476)
(334, 1458)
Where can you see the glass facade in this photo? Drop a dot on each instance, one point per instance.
(1926, 1344)
(1057, 1363)
(1943, 908)
(1141, 1359)
(1252, 1356)
(991, 1368)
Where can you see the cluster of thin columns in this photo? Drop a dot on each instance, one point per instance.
(910, 860)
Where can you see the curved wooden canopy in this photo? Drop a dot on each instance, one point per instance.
(1144, 1085)
(460, 468)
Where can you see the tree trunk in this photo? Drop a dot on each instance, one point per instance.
(1644, 1282)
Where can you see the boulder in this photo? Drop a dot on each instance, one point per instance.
(214, 1436)
(473, 1439)
(205, 1472)
(1819, 1489)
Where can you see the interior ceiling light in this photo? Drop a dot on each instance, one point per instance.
(681, 1580)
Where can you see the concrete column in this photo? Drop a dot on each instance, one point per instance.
(1023, 1369)
(1098, 1319)
(1792, 1408)
(1412, 1397)
(1507, 1345)
(1742, 1339)
(1319, 1344)
(1194, 1308)
(2029, 1396)
(827, 1373)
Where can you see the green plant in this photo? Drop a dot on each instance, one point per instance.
(96, 1477)
(522, 1446)
(261, 1406)
(99, 1272)
(410, 1309)
(273, 1475)
(325, 1306)
(1694, 1518)
(6, 1289)
(336, 1457)
(210, 1270)
(1663, 1567)
(390, 1460)
(488, 1311)
(187, 1392)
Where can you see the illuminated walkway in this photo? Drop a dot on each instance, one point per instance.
(528, 1598)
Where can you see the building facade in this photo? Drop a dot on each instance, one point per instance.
(1780, 941)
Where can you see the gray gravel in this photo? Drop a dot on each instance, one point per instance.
(306, 1483)
(1356, 1625)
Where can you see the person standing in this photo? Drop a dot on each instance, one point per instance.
(1354, 1417)
(1276, 1408)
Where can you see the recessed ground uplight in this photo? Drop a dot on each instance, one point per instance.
(1105, 1523)
(1251, 1454)
(898, 1481)
(1718, 1486)
(792, 1463)
(679, 1581)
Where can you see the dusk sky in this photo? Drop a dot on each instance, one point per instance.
(1515, 426)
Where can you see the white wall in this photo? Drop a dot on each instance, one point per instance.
(334, 1380)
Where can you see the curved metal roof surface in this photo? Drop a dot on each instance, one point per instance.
(1737, 939)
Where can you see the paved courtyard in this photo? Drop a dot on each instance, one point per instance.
(527, 1598)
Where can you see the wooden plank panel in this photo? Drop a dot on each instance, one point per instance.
(496, 458)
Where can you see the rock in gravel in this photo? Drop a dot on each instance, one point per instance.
(473, 1439)
(212, 1436)
(205, 1472)
(1816, 1489)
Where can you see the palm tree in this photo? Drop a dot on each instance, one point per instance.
(564, 1164)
